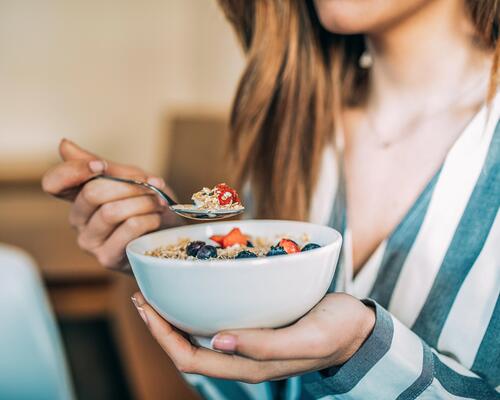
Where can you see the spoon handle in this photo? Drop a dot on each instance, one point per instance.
(159, 192)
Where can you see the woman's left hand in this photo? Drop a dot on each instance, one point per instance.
(326, 336)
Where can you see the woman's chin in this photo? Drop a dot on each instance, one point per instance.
(348, 24)
(364, 16)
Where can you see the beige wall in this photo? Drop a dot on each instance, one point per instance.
(106, 72)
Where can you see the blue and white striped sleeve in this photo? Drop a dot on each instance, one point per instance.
(394, 363)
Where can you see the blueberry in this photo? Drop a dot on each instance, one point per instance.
(276, 251)
(207, 252)
(250, 244)
(310, 246)
(193, 247)
(245, 254)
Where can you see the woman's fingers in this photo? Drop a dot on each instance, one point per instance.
(112, 252)
(190, 359)
(165, 333)
(97, 193)
(304, 339)
(108, 216)
(333, 329)
(64, 180)
(69, 150)
(78, 166)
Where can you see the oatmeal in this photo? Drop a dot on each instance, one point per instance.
(233, 245)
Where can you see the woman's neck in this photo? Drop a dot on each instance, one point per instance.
(427, 58)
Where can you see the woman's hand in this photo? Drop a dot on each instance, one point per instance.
(107, 215)
(328, 335)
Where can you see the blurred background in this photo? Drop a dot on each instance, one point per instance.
(146, 83)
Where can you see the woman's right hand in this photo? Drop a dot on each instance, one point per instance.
(107, 215)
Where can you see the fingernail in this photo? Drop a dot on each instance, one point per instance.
(97, 166)
(158, 182)
(224, 342)
(140, 310)
(162, 201)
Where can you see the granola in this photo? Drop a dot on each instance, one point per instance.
(219, 197)
(233, 245)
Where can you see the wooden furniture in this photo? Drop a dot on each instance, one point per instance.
(77, 285)
(38, 223)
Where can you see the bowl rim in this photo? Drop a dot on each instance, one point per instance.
(153, 261)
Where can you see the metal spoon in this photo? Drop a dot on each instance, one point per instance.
(184, 210)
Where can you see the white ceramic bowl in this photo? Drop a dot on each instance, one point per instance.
(206, 296)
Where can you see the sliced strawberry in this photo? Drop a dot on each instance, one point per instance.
(226, 194)
(217, 238)
(234, 237)
(222, 187)
(225, 198)
(289, 245)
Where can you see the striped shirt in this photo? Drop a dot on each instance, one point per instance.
(434, 283)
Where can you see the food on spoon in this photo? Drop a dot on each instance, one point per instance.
(220, 197)
(233, 245)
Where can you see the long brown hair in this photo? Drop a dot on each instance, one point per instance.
(296, 76)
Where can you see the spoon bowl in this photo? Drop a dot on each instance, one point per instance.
(193, 212)
(189, 211)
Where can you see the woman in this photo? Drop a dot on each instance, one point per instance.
(380, 119)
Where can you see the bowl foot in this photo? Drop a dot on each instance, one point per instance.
(202, 341)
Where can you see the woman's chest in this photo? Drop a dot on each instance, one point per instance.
(382, 183)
